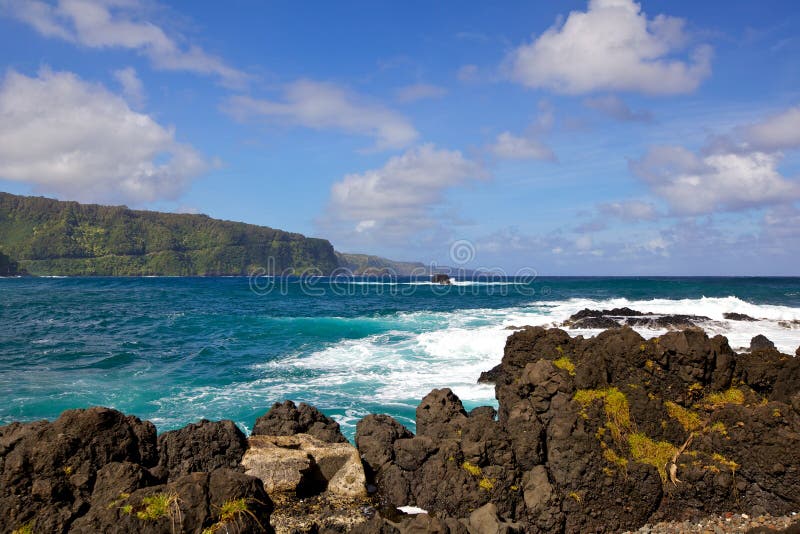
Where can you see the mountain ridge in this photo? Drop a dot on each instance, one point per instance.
(47, 237)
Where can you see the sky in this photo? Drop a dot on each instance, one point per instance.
(607, 137)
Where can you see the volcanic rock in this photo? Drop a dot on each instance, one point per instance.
(286, 419)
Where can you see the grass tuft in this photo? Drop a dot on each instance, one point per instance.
(616, 407)
(718, 400)
(688, 419)
(158, 506)
(656, 453)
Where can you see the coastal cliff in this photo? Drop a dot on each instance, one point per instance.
(604, 434)
(50, 237)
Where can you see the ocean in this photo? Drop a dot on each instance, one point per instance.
(175, 350)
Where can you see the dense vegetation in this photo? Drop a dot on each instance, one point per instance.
(50, 237)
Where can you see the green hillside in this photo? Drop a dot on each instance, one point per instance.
(51, 237)
(361, 264)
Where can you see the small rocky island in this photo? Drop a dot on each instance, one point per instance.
(602, 434)
(442, 279)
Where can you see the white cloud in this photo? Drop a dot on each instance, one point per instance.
(529, 145)
(399, 198)
(325, 106)
(616, 108)
(611, 46)
(76, 139)
(719, 181)
(730, 172)
(132, 86)
(509, 146)
(777, 132)
(119, 24)
(420, 91)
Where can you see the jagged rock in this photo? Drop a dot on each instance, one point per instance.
(492, 375)
(48, 470)
(188, 504)
(203, 446)
(286, 419)
(593, 435)
(601, 319)
(305, 465)
(761, 342)
(733, 316)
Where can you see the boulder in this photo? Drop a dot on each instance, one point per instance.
(733, 316)
(48, 470)
(761, 342)
(286, 419)
(202, 446)
(305, 465)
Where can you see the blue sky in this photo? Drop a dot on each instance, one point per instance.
(602, 137)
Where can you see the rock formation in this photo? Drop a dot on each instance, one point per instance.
(600, 434)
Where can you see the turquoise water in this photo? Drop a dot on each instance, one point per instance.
(174, 350)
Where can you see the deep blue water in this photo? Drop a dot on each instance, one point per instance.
(174, 350)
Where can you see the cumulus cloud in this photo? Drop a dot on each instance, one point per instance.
(777, 132)
(132, 86)
(616, 108)
(528, 146)
(420, 91)
(324, 106)
(400, 198)
(736, 171)
(720, 181)
(119, 24)
(611, 46)
(66, 136)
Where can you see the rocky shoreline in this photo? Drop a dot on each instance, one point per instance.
(607, 434)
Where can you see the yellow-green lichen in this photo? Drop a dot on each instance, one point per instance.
(566, 364)
(618, 417)
(26, 528)
(486, 484)
(472, 469)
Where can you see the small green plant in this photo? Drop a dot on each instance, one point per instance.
(576, 496)
(232, 512)
(158, 506)
(26, 528)
(730, 464)
(688, 419)
(566, 364)
(718, 400)
(68, 470)
(126, 509)
(719, 427)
